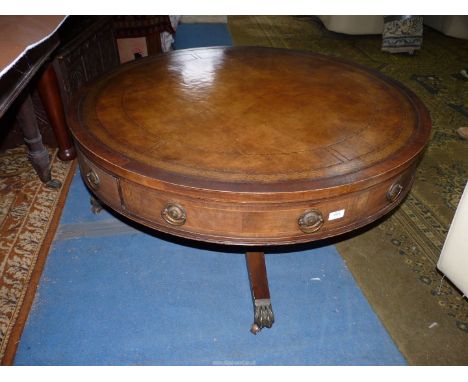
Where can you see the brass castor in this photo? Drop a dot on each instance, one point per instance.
(254, 329)
(96, 206)
(54, 184)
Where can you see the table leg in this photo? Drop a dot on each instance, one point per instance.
(49, 93)
(263, 316)
(38, 155)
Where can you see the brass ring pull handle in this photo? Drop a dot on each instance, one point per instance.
(394, 192)
(174, 214)
(310, 221)
(93, 179)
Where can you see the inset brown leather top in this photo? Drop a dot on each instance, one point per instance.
(250, 118)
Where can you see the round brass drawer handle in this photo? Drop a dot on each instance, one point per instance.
(174, 214)
(394, 192)
(310, 221)
(93, 179)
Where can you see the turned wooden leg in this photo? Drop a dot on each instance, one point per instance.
(263, 316)
(96, 205)
(153, 43)
(49, 93)
(38, 155)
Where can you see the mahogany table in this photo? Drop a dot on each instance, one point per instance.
(249, 146)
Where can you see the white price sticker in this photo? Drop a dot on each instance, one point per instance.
(336, 215)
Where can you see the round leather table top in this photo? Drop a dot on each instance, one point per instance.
(250, 119)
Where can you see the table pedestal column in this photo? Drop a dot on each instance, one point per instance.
(263, 316)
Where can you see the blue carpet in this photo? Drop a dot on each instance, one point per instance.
(196, 35)
(111, 294)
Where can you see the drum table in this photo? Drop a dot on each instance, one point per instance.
(249, 146)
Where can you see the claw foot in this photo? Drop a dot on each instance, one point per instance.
(264, 317)
(96, 206)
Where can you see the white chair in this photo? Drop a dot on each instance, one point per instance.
(453, 260)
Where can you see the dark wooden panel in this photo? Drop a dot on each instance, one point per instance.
(87, 55)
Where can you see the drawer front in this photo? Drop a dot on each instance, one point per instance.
(101, 183)
(261, 223)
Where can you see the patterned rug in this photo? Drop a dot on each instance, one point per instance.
(29, 214)
(394, 261)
